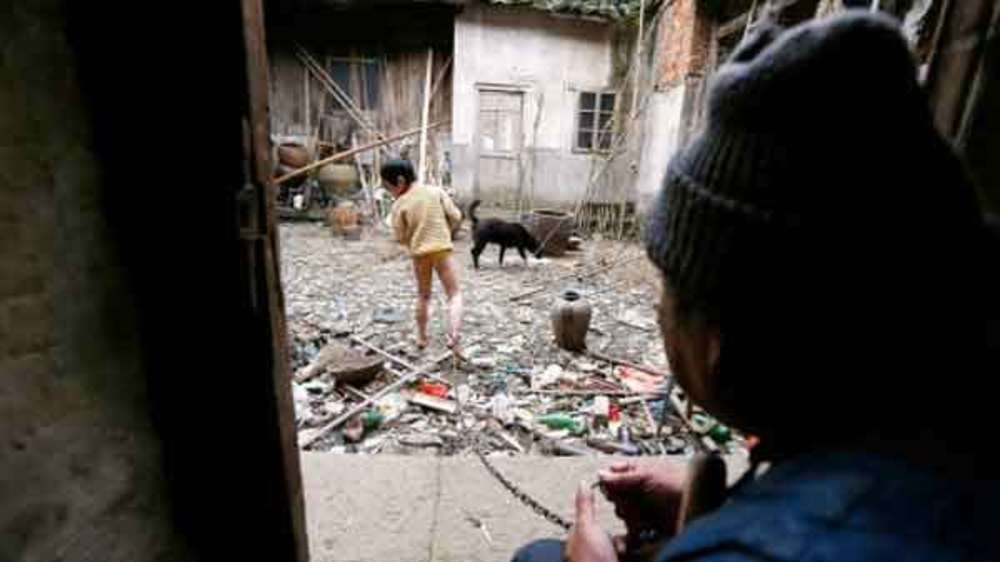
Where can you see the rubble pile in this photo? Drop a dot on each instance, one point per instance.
(349, 312)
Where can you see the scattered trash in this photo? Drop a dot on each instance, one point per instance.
(638, 381)
(387, 315)
(433, 402)
(601, 408)
(463, 393)
(354, 429)
(501, 408)
(548, 377)
(484, 362)
(437, 389)
(562, 421)
(372, 419)
(720, 434)
(519, 393)
(391, 406)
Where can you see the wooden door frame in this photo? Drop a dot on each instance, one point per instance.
(481, 87)
(259, 243)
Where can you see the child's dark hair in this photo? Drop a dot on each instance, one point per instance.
(395, 168)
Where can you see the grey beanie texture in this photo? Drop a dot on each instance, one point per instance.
(818, 151)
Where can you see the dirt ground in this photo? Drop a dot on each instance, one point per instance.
(336, 289)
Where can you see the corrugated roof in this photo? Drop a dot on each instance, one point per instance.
(609, 9)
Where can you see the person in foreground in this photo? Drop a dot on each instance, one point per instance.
(423, 219)
(826, 271)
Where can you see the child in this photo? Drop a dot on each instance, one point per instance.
(423, 218)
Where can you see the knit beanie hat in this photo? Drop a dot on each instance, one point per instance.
(818, 160)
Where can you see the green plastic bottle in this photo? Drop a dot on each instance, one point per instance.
(372, 419)
(720, 434)
(560, 420)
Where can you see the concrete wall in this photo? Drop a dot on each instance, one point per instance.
(661, 139)
(80, 475)
(547, 58)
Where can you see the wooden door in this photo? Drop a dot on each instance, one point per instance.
(499, 142)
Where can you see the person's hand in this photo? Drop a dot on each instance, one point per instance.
(646, 496)
(587, 542)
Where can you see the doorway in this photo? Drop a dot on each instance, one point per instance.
(499, 141)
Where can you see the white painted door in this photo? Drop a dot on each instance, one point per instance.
(499, 141)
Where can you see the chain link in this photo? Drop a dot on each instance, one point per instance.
(522, 496)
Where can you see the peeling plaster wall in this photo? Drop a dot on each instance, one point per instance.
(80, 475)
(550, 59)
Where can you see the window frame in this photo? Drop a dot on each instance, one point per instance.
(597, 112)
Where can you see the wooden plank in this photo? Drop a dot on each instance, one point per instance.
(349, 153)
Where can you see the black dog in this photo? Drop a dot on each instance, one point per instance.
(506, 234)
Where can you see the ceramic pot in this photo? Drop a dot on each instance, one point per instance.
(570, 321)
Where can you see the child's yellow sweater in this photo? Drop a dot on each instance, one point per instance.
(423, 218)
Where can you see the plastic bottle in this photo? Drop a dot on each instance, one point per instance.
(720, 434)
(372, 419)
(561, 421)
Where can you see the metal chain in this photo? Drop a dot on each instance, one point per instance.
(522, 496)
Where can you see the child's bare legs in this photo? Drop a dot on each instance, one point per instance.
(422, 268)
(448, 274)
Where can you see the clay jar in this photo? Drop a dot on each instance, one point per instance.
(570, 321)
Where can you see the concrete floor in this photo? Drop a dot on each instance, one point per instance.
(391, 508)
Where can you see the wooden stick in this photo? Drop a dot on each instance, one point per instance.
(622, 393)
(397, 360)
(346, 100)
(425, 116)
(338, 94)
(401, 380)
(624, 363)
(357, 393)
(440, 76)
(352, 152)
(572, 275)
(633, 326)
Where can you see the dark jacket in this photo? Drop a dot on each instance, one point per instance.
(846, 507)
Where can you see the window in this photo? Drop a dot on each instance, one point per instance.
(595, 121)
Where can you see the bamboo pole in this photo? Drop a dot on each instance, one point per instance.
(338, 94)
(425, 116)
(635, 106)
(352, 152)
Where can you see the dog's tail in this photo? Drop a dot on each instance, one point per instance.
(472, 212)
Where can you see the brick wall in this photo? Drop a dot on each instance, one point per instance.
(80, 472)
(683, 43)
